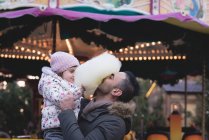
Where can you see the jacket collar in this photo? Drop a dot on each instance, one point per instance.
(96, 108)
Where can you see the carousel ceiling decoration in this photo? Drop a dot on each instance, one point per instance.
(147, 51)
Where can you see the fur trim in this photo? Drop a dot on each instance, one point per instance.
(124, 110)
(48, 71)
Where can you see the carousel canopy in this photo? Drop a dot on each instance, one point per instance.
(184, 35)
(110, 31)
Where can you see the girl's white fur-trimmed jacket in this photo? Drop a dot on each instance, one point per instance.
(53, 89)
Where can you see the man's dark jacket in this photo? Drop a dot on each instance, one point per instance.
(98, 121)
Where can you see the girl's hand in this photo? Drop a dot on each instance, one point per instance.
(67, 102)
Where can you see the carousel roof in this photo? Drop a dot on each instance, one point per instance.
(160, 47)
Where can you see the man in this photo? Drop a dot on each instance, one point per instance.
(107, 116)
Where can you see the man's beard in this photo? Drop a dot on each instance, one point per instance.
(103, 90)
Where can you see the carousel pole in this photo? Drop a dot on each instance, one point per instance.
(54, 32)
(54, 4)
(185, 103)
(203, 98)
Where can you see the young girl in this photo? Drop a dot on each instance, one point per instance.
(56, 82)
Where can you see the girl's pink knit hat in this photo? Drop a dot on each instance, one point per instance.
(61, 61)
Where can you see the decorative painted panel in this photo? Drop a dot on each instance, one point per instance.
(206, 4)
(196, 8)
(192, 7)
(166, 6)
(108, 4)
(11, 4)
(155, 6)
(135, 5)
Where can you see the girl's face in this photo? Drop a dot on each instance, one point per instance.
(69, 74)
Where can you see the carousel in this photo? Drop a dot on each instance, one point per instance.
(161, 47)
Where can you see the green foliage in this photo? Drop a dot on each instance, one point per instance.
(198, 118)
(156, 117)
(12, 100)
(143, 118)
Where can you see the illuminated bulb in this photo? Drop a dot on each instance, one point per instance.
(126, 58)
(21, 83)
(153, 43)
(121, 50)
(34, 42)
(22, 49)
(36, 77)
(39, 44)
(175, 57)
(45, 44)
(29, 40)
(159, 42)
(142, 45)
(140, 58)
(153, 58)
(50, 51)
(21, 110)
(137, 46)
(131, 58)
(23, 40)
(135, 58)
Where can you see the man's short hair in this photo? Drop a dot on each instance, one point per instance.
(129, 87)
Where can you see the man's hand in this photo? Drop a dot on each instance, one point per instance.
(67, 102)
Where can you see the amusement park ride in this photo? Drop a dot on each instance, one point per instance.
(153, 44)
